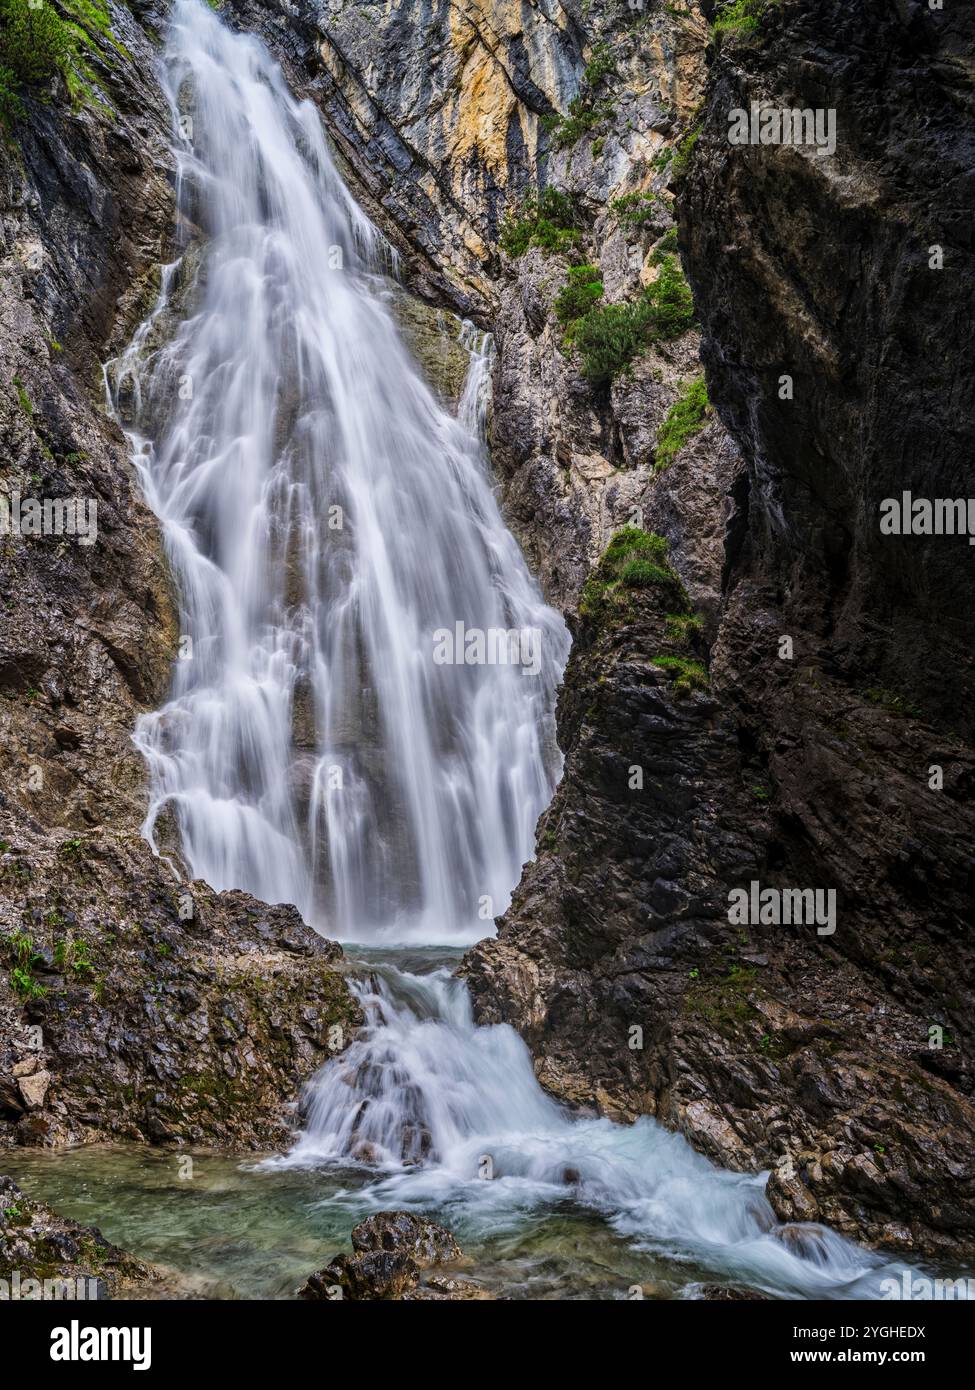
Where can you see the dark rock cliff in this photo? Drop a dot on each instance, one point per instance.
(839, 1061)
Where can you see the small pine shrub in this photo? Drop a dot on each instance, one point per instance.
(607, 339)
(582, 118)
(666, 245)
(584, 113)
(35, 45)
(609, 336)
(684, 419)
(681, 161)
(668, 303)
(582, 290)
(634, 209)
(601, 65)
(548, 221)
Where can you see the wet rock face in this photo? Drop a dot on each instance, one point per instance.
(148, 1009)
(89, 628)
(826, 268)
(766, 1046)
(37, 1248)
(397, 1257)
(839, 1061)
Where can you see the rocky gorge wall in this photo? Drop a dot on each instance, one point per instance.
(727, 763)
(839, 1061)
(697, 758)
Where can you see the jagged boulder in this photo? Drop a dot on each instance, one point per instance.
(398, 1256)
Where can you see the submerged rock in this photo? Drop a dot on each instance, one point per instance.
(44, 1256)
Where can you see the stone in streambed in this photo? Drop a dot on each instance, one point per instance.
(391, 1252)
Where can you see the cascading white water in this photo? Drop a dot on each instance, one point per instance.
(454, 1120)
(325, 516)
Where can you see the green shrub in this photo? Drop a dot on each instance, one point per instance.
(634, 209)
(582, 290)
(666, 245)
(739, 16)
(584, 113)
(609, 336)
(601, 65)
(607, 339)
(668, 303)
(36, 45)
(549, 221)
(582, 117)
(680, 163)
(684, 419)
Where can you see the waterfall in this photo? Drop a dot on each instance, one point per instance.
(330, 526)
(362, 719)
(448, 1117)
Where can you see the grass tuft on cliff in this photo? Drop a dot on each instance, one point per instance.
(685, 418)
(38, 45)
(634, 559)
(686, 674)
(739, 16)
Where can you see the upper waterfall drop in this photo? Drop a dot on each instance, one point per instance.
(325, 518)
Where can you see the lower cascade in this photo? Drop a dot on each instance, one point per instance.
(362, 721)
(452, 1116)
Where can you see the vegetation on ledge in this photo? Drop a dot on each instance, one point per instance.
(739, 16)
(584, 111)
(633, 210)
(582, 291)
(38, 46)
(687, 674)
(634, 559)
(685, 418)
(608, 337)
(549, 221)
